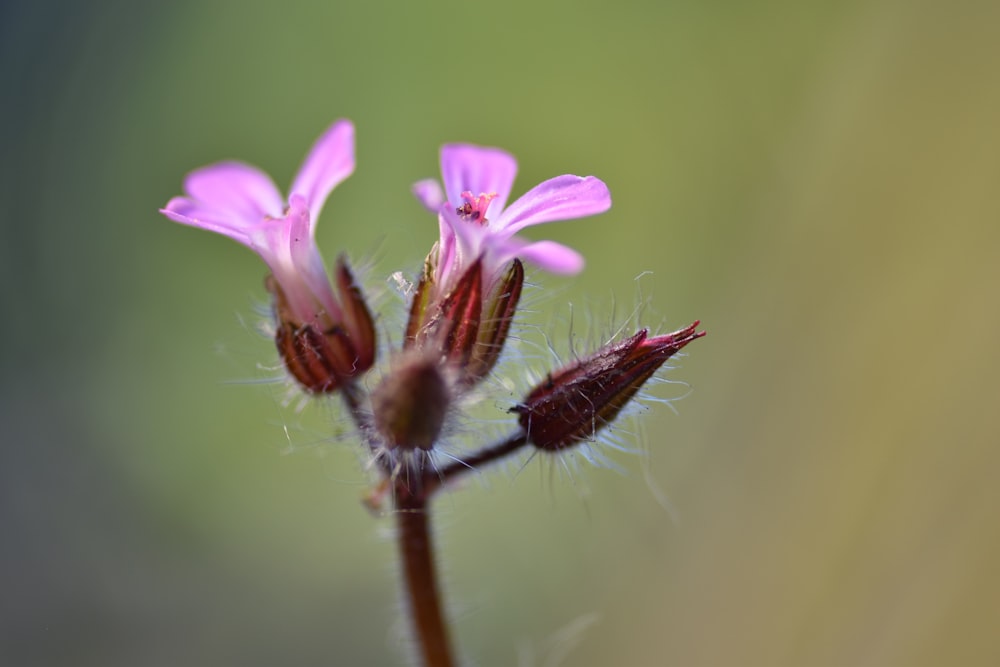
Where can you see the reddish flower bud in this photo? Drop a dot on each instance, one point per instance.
(409, 406)
(574, 403)
(323, 360)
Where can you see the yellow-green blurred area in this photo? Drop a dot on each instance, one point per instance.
(819, 183)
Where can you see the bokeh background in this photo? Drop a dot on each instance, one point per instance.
(817, 182)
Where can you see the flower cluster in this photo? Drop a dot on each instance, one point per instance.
(462, 307)
(463, 303)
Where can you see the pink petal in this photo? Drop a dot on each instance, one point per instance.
(469, 238)
(429, 193)
(330, 161)
(559, 198)
(187, 212)
(547, 255)
(301, 242)
(270, 240)
(446, 249)
(479, 170)
(287, 246)
(235, 190)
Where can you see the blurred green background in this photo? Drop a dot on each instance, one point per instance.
(817, 182)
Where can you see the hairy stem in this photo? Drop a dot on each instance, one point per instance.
(416, 550)
(413, 486)
(471, 463)
(416, 547)
(355, 397)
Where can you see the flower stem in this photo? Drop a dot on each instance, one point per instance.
(471, 463)
(416, 550)
(355, 398)
(413, 486)
(416, 546)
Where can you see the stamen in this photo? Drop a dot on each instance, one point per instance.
(474, 208)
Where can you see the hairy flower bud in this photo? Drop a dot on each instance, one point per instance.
(409, 406)
(323, 360)
(574, 403)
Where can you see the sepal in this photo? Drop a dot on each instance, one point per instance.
(322, 361)
(498, 313)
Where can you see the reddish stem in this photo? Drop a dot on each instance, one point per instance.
(412, 490)
(435, 480)
(416, 550)
(355, 398)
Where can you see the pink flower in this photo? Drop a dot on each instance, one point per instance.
(242, 202)
(325, 332)
(475, 224)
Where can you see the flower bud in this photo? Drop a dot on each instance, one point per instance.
(323, 360)
(574, 403)
(409, 406)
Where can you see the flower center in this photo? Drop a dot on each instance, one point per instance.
(474, 208)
